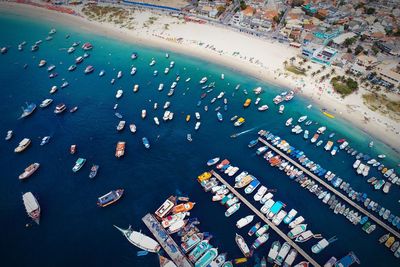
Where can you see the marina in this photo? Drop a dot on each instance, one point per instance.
(168, 244)
(264, 219)
(333, 190)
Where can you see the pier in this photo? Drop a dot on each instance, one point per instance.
(168, 244)
(263, 218)
(332, 189)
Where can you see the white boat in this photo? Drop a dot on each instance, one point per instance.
(166, 115)
(46, 102)
(203, 80)
(220, 95)
(258, 99)
(296, 222)
(290, 257)
(143, 113)
(260, 193)
(244, 221)
(136, 88)
(133, 71)
(157, 122)
(289, 217)
(173, 85)
(281, 108)
(53, 89)
(119, 94)
(132, 128)
(317, 248)
(302, 118)
(160, 87)
(279, 217)
(300, 228)
(321, 130)
(152, 63)
(166, 70)
(197, 126)
(121, 125)
(263, 108)
(167, 104)
(257, 90)
(289, 122)
(155, 105)
(282, 253)
(197, 115)
(9, 135)
(31, 206)
(140, 240)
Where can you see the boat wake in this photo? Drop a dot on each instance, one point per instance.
(246, 131)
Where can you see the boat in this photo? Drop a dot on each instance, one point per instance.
(89, 69)
(42, 63)
(72, 67)
(247, 103)
(290, 258)
(79, 164)
(31, 169)
(139, 240)
(119, 94)
(203, 80)
(260, 241)
(31, 206)
(9, 135)
(296, 222)
(207, 258)
(199, 250)
(304, 236)
(300, 228)
(110, 198)
(191, 242)
(389, 242)
(72, 149)
(281, 109)
(244, 221)
(273, 252)
(53, 89)
(322, 244)
(120, 149)
(22, 145)
(314, 138)
(28, 110)
(197, 126)
(136, 88)
(146, 142)
(275, 209)
(239, 122)
(321, 130)
(277, 219)
(219, 116)
(143, 113)
(45, 140)
(232, 209)
(72, 110)
(87, 46)
(260, 193)
(134, 55)
(242, 245)
(93, 171)
(328, 145)
(282, 253)
(347, 260)
(289, 217)
(184, 207)
(121, 125)
(212, 161)
(60, 108)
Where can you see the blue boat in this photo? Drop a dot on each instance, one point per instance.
(225, 167)
(275, 209)
(146, 142)
(253, 143)
(199, 103)
(364, 220)
(219, 116)
(28, 110)
(142, 253)
(347, 260)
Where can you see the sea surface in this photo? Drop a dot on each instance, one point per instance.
(73, 230)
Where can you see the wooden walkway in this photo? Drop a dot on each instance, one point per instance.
(166, 241)
(263, 218)
(332, 189)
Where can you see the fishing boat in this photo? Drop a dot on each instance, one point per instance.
(242, 245)
(28, 110)
(110, 198)
(120, 149)
(31, 206)
(31, 169)
(140, 240)
(22, 145)
(93, 171)
(79, 164)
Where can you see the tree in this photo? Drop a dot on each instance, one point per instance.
(243, 5)
(221, 9)
(358, 50)
(292, 59)
(370, 11)
(349, 41)
(323, 67)
(333, 71)
(285, 63)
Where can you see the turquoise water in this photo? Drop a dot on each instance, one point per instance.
(73, 230)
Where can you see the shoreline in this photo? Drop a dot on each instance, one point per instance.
(271, 74)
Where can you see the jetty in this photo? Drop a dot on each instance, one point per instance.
(332, 189)
(166, 241)
(263, 218)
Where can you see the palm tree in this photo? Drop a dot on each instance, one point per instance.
(323, 67)
(309, 67)
(292, 59)
(333, 71)
(285, 63)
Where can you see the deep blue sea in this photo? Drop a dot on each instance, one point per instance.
(73, 230)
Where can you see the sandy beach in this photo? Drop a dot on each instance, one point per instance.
(259, 58)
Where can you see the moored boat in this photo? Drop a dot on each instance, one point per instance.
(22, 145)
(110, 198)
(29, 171)
(79, 164)
(242, 245)
(31, 206)
(140, 240)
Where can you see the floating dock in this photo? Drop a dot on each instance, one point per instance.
(263, 218)
(168, 244)
(332, 189)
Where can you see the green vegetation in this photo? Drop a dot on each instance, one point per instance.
(370, 11)
(344, 86)
(296, 70)
(358, 50)
(349, 41)
(243, 5)
(105, 13)
(379, 102)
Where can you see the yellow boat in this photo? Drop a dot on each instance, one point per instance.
(204, 176)
(247, 103)
(328, 115)
(188, 118)
(389, 242)
(384, 170)
(239, 122)
(240, 260)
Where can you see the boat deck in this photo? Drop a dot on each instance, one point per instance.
(332, 189)
(168, 244)
(263, 218)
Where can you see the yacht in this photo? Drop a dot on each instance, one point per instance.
(60, 108)
(203, 80)
(119, 94)
(46, 102)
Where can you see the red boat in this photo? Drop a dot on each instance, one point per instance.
(341, 140)
(73, 149)
(203, 95)
(223, 163)
(87, 46)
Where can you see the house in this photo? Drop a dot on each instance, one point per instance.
(339, 40)
(390, 73)
(366, 61)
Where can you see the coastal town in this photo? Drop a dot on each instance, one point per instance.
(209, 133)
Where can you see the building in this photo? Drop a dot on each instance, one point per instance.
(320, 54)
(390, 73)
